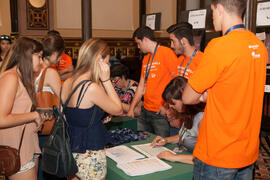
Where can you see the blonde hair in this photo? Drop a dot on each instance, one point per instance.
(89, 53)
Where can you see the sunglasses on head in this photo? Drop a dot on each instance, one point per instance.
(4, 37)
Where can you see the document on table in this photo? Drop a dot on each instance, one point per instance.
(143, 166)
(150, 151)
(122, 154)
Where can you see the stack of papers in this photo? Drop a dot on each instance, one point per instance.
(121, 154)
(150, 151)
(143, 166)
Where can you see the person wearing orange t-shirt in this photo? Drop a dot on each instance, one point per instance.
(233, 73)
(182, 43)
(158, 69)
(189, 57)
(65, 67)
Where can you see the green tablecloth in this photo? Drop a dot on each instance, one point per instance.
(122, 122)
(178, 170)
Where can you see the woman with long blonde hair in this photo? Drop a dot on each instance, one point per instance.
(94, 96)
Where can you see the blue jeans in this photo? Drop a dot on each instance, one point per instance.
(154, 123)
(203, 171)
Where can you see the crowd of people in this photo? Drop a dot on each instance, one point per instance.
(209, 103)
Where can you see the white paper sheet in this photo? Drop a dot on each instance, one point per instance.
(150, 151)
(122, 154)
(143, 166)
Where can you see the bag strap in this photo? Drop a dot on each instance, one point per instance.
(41, 80)
(19, 149)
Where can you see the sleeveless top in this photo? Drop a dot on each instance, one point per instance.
(45, 88)
(12, 136)
(83, 138)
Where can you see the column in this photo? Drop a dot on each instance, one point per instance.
(86, 20)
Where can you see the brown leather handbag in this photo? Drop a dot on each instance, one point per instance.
(46, 100)
(10, 159)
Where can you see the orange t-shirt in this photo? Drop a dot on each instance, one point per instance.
(183, 61)
(233, 70)
(65, 61)
(161, 73)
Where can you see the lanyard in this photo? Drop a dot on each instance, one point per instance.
(181, 133)
(125, 91)
(237, 26)
(147, 71)
(192, 56)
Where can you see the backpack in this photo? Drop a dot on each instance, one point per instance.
(57, 158)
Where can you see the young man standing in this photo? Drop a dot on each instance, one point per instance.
(182, 43)
(189, 57)
(158, 68)
(233, 72)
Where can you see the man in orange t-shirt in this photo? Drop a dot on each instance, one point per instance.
(233, 72)
(158, 69)
(182, 43)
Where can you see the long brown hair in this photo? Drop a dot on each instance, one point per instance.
(52, 43)
(174, 90)
(88, 58)
(20, 55)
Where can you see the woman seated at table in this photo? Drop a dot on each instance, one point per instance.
(124, 87)
(191, 116)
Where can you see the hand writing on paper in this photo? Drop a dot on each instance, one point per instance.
(158, 141)
(167, 155)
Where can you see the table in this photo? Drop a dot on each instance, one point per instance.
(122, 122)
(178, 170)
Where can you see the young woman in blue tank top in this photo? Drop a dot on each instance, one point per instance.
(93, 97)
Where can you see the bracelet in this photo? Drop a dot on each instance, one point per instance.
(105, 80)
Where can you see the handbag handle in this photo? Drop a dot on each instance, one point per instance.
(41, 81)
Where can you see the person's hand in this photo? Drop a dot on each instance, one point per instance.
(107, 119)
(158, 141)
(130, 113)
(162, 110)
(167, 155)
(104, 69)
(171, 114)
(38, 121)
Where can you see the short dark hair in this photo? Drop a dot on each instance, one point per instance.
(174, 90)
(232, 6)
(142, 32)
(119, 70)
(180, 30)
(53, 32)
(52, 43)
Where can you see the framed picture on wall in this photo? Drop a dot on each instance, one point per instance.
(152, 20)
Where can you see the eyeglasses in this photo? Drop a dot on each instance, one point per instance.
(5, 37)
(115, 80)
